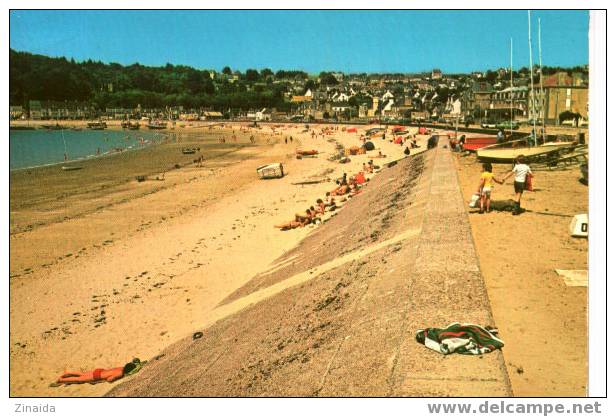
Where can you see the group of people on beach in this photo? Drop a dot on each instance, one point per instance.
(522, 175)
(311, 215)
(345, 186)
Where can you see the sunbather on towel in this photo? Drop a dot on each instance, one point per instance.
(99, 374)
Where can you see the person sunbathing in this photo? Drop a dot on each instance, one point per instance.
(328, 205)
(341, 190)
(99, 374)
(301, 220)
(289, 225)
(307, 153)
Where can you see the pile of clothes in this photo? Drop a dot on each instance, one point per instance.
(466, 339)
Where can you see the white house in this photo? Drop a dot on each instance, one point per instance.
(263, 114)
(388, 95)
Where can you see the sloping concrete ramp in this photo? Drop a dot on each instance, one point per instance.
(339, 318)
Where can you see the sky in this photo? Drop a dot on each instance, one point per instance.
(312, 41)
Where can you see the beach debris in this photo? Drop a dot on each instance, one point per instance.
(197, 335)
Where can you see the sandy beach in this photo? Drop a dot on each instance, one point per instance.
(105, 268)
(518, 256)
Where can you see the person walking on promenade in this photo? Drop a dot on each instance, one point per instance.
(520, 171)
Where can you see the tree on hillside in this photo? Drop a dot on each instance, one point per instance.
(310, 85)
(252, 75)
(327, 78)
(227, 71)
(491, 76)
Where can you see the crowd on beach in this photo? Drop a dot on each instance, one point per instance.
(347, 186)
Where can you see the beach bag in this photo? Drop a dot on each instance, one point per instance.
(474, 202)
(529, 182)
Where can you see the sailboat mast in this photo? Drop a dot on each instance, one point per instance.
(541, 85)
(532, 86)
(511, 87)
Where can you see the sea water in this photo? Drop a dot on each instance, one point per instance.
(32, 148)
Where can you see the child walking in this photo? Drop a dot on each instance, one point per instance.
(485, 187)
(521, 171)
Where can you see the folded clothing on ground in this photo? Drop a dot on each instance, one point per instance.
(466, 339)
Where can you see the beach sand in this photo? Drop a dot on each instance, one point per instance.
(543, 321)
(105, 268)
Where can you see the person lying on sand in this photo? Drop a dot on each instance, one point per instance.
(99, 374)
(307, 152)
(328, 205)
(301, 220)
(330, 202)
(341, 190)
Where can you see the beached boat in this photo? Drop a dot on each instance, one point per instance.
(130, 125)
(190, 151)
(13, 127)
(157, 125)
(271, 171)
(70, 168)
(508, 151)
(53, 127)
(97, 125)
(472, 144)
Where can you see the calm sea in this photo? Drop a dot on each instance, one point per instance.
(31, 148)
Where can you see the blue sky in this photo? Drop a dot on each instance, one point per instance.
(349, 41)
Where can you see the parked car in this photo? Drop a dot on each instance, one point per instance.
(488, 124)
(508, 125)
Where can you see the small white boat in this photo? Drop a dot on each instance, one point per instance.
(70, 168)
(271, 171)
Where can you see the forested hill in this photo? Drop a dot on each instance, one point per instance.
(37, 77)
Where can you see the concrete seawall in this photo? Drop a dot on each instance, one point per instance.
(339, 318)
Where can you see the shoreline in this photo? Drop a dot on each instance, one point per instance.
(84, 158)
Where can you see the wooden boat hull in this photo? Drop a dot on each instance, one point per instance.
(509, 155)
(473, 144)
